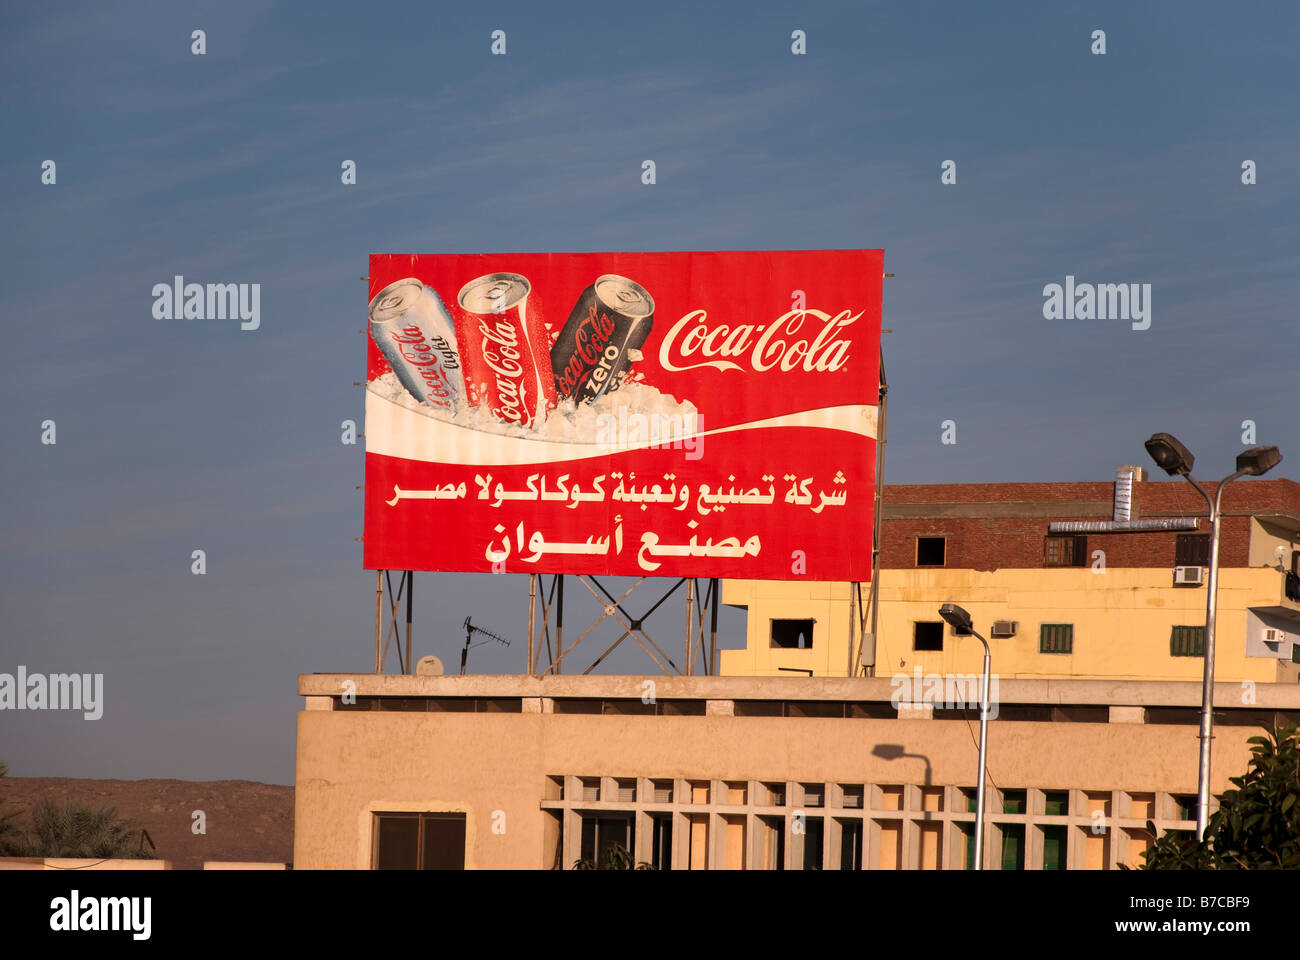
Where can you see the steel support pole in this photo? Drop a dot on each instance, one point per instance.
(866, 656)
(854, 622)
(410, 589)
(379, 620)
(984, 741)
(532, 615)
(1207, 679)
(690, 651)
(559, 624)
(713, 627)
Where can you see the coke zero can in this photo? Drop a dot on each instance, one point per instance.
(417, 336)
(505, 350)
(590, 357)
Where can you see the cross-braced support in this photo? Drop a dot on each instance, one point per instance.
(633, 626)
(383, 638)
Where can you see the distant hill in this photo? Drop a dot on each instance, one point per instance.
(245, 820)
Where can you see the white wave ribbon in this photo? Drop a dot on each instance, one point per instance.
(396, 431)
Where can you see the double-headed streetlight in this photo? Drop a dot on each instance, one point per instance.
(960, 622)
(1172, 457)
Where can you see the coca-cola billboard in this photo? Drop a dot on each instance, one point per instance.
(666, 414)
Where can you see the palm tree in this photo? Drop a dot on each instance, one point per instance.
(74, 830)
(12, 842)
(616, 857)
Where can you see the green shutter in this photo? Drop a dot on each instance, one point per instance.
(1013, 846)
(1054, 839)
(1187, 642)
(1056, 638)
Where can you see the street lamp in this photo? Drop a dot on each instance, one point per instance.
(962, 626)
(1175, 459)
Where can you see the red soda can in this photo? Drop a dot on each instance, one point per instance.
(506, 353)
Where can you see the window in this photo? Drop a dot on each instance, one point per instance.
(1056, 638)
(930, 551)
(419, 841)
(1184, 806)
(1054, 841)
(1071, 551)
(1013, 801)
(1013, 846)
(1187, 642)
(1192, 550)
(773, 843)
(603, 835)
(661, 847)
(812, 843)
(792, 634)
(1057, 803)
(927, 636)
(853, 797)
(967, 832)
(851, 845)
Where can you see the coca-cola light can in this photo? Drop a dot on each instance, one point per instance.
(506, 350)
(595, 348)
(417, 336)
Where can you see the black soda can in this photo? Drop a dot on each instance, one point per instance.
(611, 319)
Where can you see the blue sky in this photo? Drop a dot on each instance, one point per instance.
(177, 435)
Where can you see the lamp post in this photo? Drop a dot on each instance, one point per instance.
(1175, 459)
(961, 624)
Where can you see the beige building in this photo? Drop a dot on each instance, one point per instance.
(750, 773)
(1102, 598)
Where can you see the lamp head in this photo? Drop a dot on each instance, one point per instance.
(958, 619)
(1170, 455)
(1258, 460)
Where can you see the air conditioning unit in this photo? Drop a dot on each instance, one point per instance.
(1005, 628)
(1189, 575)
(1273, 635)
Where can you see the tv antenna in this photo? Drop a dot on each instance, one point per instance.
(470, 630)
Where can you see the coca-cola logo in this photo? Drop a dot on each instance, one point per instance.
(766, 346)
(589, 343)
(419, 352)
(501, 353)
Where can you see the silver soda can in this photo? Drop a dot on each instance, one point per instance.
(412, 328)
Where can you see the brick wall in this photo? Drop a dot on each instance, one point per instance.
(1002, 525)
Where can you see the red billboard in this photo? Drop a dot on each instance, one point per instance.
(705, 414)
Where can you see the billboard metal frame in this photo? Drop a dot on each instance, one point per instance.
(700, 605)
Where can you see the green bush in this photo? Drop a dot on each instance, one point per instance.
(1257, 825)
